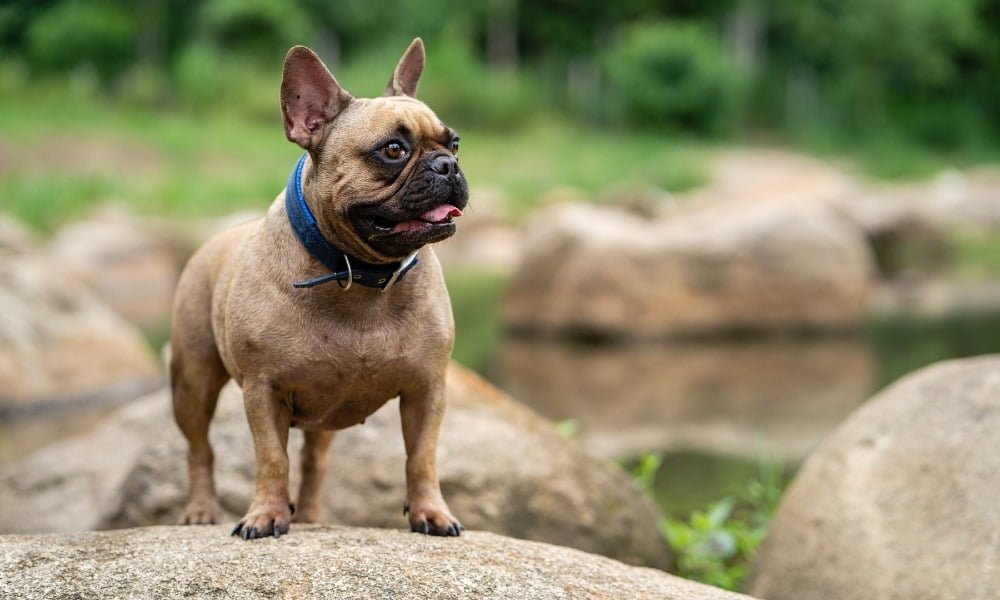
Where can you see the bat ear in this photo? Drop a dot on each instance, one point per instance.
(406, 78)
(310, 97)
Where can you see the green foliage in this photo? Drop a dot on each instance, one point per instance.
(261, 29)
(674, 75)
(210, 80)
(77, 33)
(46, 200)
(645, 469)
(715, 545)
(568, 428)
(924, 67)
(475, 302)
(976, 253)
(893, 79)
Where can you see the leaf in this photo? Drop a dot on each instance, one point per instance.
(719, 512)
(568, 427)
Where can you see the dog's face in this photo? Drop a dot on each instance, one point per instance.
(385, 175)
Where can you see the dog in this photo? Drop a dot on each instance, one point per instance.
(331, 304)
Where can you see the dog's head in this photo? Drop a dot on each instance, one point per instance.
(385, 177)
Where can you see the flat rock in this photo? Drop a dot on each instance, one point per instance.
(901, 501)
(502, 468)
(320, 562)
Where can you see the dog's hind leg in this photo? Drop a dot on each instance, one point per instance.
(315, 457)
(196, 377)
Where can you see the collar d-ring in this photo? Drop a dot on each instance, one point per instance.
(350, 276)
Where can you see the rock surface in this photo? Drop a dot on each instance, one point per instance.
(320, 562)
(720, 269)
(901, 501)
(129, 268)
(502, 469)
(16, 237)
(58, 342)
(779, 397)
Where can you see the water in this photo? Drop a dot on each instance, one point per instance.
(716, 409)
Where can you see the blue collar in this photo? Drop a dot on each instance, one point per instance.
(342, 267)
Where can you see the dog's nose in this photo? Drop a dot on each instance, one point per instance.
(444, 164)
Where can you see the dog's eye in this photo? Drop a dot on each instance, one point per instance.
(454, 146)
(394, 151)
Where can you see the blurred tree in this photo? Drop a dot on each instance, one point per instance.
(261, 30)
(74, 34)
(919, 69)
(673, 75)
(873, 62)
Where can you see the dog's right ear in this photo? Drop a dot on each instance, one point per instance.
(310, 97)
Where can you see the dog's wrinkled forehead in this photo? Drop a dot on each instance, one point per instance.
(373, 120)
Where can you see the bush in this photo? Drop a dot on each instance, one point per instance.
(262, 30)
(673, 75)
(209, 79)
(716, 545)
(83, 34)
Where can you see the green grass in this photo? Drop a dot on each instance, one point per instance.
(475, 301)
(177, 164)
(890, 156)
(975, 254)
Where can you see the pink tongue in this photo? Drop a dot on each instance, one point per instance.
(434, 215)
(440, 213)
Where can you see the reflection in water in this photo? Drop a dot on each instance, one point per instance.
(779, 397)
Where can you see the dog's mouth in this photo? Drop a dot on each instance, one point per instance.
(439, 218)
(395, 233)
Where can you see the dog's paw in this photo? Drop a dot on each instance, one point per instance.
(263, 520)
(201, 512)
(433, 521)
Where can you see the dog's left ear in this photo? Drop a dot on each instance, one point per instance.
(407, 75)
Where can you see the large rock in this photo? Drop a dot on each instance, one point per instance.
(58, 343)
(320, 562)
(502, 468)
(901, 502)
(740, 267)
(128, 267)
(776, 396)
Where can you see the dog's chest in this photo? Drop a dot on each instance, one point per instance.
(340, 384)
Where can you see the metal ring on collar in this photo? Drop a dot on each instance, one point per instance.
(402, 267)
(350, 276)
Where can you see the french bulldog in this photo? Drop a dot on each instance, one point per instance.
(331, 304)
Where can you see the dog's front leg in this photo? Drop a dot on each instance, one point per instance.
(421, 413)
(269, 417)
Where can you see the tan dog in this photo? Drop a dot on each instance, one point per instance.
(381, 182)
